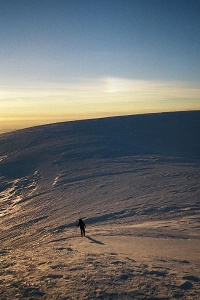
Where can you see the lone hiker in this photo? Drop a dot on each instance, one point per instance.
(82, 226)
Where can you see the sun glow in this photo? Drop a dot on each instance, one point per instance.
(109, 96)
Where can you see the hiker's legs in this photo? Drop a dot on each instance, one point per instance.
(82, 231)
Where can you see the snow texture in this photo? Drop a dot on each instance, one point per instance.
(134, 180)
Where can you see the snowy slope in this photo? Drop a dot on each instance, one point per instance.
(135, 180)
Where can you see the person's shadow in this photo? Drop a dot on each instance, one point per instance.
(94, 241)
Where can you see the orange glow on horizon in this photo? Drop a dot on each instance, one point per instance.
(29, 106)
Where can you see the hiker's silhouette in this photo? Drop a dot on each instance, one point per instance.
(82, 226)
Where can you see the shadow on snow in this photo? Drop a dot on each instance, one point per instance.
(94, 241)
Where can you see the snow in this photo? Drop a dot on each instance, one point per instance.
(134, 180)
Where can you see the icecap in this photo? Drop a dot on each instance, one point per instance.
(134, 180)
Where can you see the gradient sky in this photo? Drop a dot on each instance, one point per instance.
(74, 59)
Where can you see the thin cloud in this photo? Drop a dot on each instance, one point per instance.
(97, 92)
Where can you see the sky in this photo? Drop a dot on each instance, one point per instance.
(66, 60)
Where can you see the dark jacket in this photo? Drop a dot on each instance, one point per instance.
(81, 224)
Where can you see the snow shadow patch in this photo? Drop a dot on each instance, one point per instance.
(94, 240)
(63, 227)
(111, 216)
(63, 239)
(94, 220)
(18, 168)
(29, 223)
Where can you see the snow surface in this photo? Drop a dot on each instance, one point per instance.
(134, 180)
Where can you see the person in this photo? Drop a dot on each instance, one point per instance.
(82, 226)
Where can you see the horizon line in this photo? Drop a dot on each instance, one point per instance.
(12, 130)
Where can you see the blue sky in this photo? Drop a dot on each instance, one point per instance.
(77, 59)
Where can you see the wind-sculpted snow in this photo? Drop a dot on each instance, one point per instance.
(135, 181)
